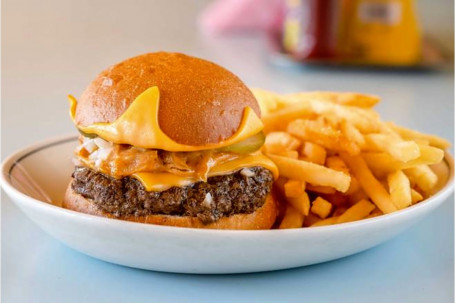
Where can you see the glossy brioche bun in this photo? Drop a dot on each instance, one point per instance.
(262, 218)
(200, 102)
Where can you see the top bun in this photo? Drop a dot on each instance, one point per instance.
(200, 102)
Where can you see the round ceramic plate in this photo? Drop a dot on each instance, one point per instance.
(36, 177)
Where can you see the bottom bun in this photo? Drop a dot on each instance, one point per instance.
(262, 218)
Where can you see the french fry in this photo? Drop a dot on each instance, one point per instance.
(354, 186)
(356, 212)
(372, 187)
(301, 203)
(336, 163)
(276, 142)
(310, 220)
(423, 176)
(357, 196)
(279, 183)
(401, 150)
(348, 98)
(336, 199)
(294, 188)
(311, 173)
(324, 222)
(415, 196)
(400, 189)
(409, 134)
(268, 101)
(313, 153)
(279, 119)
(293, 154)
(352, 133)
(324, 135)
(360, 118)
(375, 213)
(321, 189)
(321, 207)
(383, 163)
(334, 146)
(292, 218)
(339, 211)
(421, 141)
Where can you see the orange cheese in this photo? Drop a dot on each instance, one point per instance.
(164, 181)
(139, 126)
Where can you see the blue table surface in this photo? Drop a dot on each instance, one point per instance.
(416, 266)
(71, 41)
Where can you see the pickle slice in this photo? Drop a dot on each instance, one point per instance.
(91, 136)
(246, 146)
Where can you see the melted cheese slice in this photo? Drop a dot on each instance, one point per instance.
(138, 126)
(164, 181)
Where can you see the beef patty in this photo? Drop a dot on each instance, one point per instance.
(221, 196)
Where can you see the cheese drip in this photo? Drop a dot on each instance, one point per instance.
(163, 181)
(138, 126)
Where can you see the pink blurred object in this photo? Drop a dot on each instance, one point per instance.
(228, 16)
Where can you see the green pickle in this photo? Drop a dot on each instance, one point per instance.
(243, 147)
(246, 146)
(91, 136)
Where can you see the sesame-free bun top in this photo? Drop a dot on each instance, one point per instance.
(200, 102)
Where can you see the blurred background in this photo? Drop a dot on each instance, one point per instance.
(52, 48)
(400, 50)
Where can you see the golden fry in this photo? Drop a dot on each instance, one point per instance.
(321, 189)
(276, 142)
(313, 153)
(356, 212)
(280, 119)
(310, 220)
(403, 151)
(342, 98)
(294, 188)
(339, 211)
(325, 135)
(280, 182)
(268, 101)
(324, 222)
(357, 196)
(382, 163)
(321, 208)
(423, 176)
(292, 154)
(337, 199)
(335, 146)
(301, 203)
(311, 173)
(375, 213)
(354, 186)
(292, 218)
(409, 134)
(399, 189)
(352, 133)
(369, 183)
(336, 163)
(415, 196)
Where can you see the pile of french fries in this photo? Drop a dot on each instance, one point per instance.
(339, 162)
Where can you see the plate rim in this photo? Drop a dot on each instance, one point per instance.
(9, 163)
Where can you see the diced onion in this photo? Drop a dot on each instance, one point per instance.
(247, 172)
(207, 200)
(89, 145)
(102, 143)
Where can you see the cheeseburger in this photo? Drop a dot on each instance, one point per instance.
(174, 140)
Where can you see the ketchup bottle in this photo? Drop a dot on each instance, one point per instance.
(310, 28)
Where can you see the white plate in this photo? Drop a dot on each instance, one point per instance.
(48, 166)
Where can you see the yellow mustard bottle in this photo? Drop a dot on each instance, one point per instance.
(383, 32)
